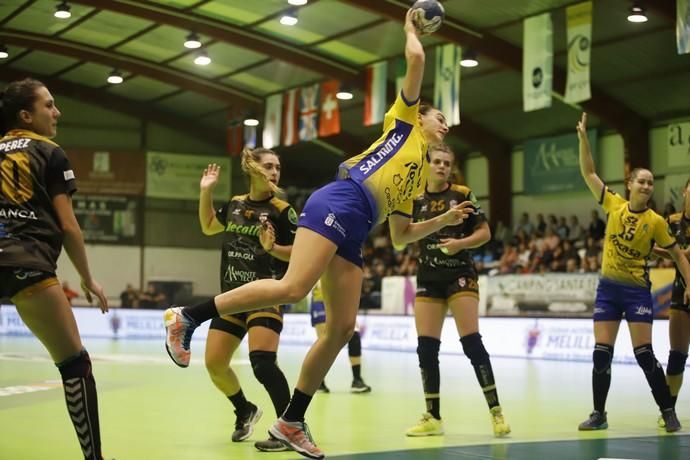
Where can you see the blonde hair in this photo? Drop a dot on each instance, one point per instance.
(252, 168)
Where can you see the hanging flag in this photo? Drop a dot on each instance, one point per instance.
(447, 82)
(309, 112)
(272, 121)
(400, 71)
(375, 93)
(250, 137)
(329, 119)
(537, 62)
(579, 21)
(234, 135)
(290, 117)
(683, 26)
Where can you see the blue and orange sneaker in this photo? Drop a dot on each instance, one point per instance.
(179, 330)
(296, 435)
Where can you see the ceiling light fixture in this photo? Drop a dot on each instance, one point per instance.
(4, 53)
(115, 77)
(297, 2)
(637, 13)
(192, 41)
(289, 18)
(62, 10)
(251, 121)
(344, 93)
(202, 58)
(469, 59)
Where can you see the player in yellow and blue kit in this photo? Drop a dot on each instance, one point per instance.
(624, 287)
(378, 184)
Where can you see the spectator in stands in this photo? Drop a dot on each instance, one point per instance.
(152, 297)
(562, 229)
(576, 234)
(507, 262)
(597, 226)
(129, 298)
(524, 224)
(541, 225)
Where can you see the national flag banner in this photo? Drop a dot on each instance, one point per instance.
(400, 71)
(309, 112)
(234, 135)
(272, 121)
(579, 22)
(375, 93)
(329, 118)
(537, 62)
(683, 26)
(250, 137)
(290, 117)
(447, 82)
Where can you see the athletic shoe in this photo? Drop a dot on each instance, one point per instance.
(297, 436)
(427, 426)
(179, 330)
(271, 445)
(323, 388)
(671, 422)
(244, 423)
(596, 421)
(501, 428)
(358, 386)
(661, 423)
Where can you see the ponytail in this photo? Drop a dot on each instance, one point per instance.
(251, 167)
(18, 95)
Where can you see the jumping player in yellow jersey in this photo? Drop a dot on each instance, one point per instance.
(36, 221)
(317, 311)
(679, 319)
(624, 288)
(378, 184)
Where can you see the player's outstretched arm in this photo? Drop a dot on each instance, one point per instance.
(589, 174)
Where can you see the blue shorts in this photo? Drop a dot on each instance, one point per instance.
(317, 311)
(340, 211)
(614, 300)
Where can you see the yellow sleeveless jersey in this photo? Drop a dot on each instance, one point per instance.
(629, 239)
(394, 168)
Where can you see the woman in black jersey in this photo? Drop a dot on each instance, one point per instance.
(258, 233)
(447, 279)
(679, 316)
(36, 221)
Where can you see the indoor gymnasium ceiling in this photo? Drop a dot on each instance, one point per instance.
(637, 77)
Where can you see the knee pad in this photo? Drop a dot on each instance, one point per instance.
(473, 347)
(645, 358)
(264, 365)
(602, 357)
(676, 362)
(77, 366)
(427, 350)
(354, 346)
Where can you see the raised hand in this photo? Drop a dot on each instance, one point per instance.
(409, 22)
(458, 213)
(582, 125)
(209, 178)
(93, 287)
(267, 236)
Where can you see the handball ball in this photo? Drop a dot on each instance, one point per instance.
(428, 15)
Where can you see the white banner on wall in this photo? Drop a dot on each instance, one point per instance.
(175, 176)
(537, 62)
(678, 145)
(579, 21)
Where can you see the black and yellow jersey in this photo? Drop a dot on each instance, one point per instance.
(680, 228)
(434, 265)
(33, 170)
(629, 239)
(243, 259)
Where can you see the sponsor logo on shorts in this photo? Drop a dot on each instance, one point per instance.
(332, 221)
(641, 310)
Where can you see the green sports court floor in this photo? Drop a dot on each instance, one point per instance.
(152, 410)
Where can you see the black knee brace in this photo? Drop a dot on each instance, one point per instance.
(77, 366)
(645, 358)
(473, 347)
(427, 351)
(602, 357)
(354, 346)
(676, 362)
(264, 365)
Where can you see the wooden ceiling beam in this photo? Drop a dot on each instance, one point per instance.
(228, 33)
(134, 109)
(185, 80)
